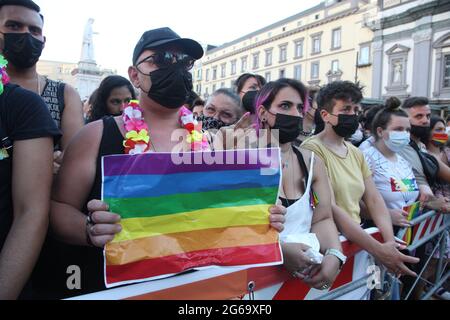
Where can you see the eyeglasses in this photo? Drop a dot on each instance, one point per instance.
(167, 59)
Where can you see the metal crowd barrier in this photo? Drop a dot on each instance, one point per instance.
(429, 226)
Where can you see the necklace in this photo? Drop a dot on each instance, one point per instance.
(285, 167)
(137, 138)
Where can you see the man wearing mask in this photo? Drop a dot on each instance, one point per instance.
(419, 114)
(350, 175)
(21, 25)
(160, 70)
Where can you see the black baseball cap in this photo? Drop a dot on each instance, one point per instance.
(21, 3)
(156, 38)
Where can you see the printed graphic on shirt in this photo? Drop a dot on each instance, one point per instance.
(3, 154)
(404, 185)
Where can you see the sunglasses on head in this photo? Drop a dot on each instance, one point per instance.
(167, 59)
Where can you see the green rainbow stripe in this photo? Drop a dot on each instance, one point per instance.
(173, 204)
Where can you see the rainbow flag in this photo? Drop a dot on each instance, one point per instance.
(187, 211)
(413, 212)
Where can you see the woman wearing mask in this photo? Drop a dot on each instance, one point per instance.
(436, 146)
(114, 92)
(222, 109)
(281, 107)
(350, 175)
(249, 82)
(393, 175)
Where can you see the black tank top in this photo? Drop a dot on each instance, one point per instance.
(111, 144)
(53, 96)
(56, 257)
(301, 160)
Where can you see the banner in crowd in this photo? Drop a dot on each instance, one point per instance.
(188, 211)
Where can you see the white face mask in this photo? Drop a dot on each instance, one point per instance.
(357, 137)
(398, 140)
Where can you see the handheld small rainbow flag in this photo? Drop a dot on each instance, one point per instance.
(413, 212)
(178, 217)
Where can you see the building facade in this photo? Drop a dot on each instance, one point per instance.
(57, 70)
(411, 51)
(331, 41)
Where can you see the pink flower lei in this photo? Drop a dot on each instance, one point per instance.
(137, 139)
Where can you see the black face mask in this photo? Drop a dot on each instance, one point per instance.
(210, 123)
(289, 127)
(347, 125)
(22, 49)
(171, 86)
(422, 133)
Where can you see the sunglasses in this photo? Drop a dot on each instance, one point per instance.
(167, 59)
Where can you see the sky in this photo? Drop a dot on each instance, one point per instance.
(120, 24)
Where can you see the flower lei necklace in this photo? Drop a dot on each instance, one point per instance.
(4, 78)
(137, 138)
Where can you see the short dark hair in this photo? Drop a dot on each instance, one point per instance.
(269, 92)
(383, 117)
(415, 102)
(369, 115)
(240, 82)
(99, 107)
(339, 90)
(29, 4)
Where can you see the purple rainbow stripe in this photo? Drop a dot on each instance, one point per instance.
(163, 163)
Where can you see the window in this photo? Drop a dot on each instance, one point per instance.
(315, 70)
(336, 39)
(446, 71)
(335, 66)
(283, 53)
(214, 76)
(223, 70)
(398, 70)
(233, 67)
(199, 74)
(298, 49)
(298, 72)
(269, 55)
(268, 76)
(207, 74)
(256, 61)
(282, 73)
(364, 55)
(317, 16)
(244, 64)
(214, 88)
(316, 46)
(222, 85)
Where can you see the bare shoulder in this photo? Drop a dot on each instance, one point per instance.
(88, 138)
(71, 97)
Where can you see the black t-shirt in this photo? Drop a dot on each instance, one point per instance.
(23, 116)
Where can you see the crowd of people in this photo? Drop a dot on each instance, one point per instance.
(347, 167)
